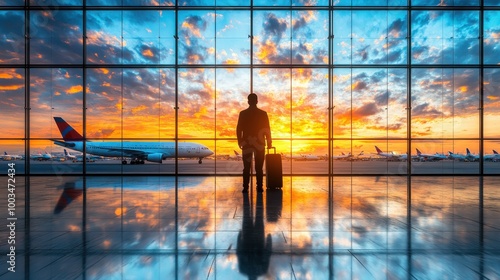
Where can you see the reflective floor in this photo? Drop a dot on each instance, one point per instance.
(203, 227)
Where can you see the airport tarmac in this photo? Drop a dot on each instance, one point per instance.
(229, 167)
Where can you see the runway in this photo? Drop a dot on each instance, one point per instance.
(229, 167)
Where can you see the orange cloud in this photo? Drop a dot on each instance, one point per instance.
(74, 89)
(139, 109)
(148, 53)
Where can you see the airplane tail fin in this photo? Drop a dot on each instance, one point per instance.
(5, 153)
(418, 151)
(378, 150)
(68, 133)
(236, 153)
(495, 152)
(450, 153)
(65, 152)
(468, 152)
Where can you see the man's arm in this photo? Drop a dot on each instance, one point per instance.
(239, 132)
(268, 133)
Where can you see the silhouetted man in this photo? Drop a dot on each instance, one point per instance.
(253, 132)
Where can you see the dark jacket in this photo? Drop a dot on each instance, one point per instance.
(253, 128)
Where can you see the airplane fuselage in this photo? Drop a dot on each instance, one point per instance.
(151, 151)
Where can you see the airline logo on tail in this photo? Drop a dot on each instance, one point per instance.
(68, 133)
(379, 151)
(418, 152)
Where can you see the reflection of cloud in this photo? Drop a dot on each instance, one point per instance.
(425, 110)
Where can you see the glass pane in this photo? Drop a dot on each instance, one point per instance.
(196, 37)
(272, 86)
(233, 42)
(445, 103)
(56, 37)
(104, 37)
(232, 89)
(491, 103)
(196, 103)
(309, 3)
(310, 104)
(196, 2)
(11, 2)
(491, 157)
(55, 92)
(12, 102)
(310, 37)
(342, 40)
(232, 2)
(141, 37)
(272, 33)
(12, 41)
(56, 2)
(271, 2)
(491, 38)
(104, 103)
(445, 3)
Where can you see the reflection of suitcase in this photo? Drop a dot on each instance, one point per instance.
(274, 172)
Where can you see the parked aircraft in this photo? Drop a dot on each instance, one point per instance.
(69, 156)
(237, 156)
(41, 156)
(492, 157)
(467, 157)
(391, 155)
(11, 157)
(342, 156)
(138, 152)
(430, 157)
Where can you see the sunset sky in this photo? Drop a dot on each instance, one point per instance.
(369, 102)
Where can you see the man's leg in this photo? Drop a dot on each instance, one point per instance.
(259, 163)
(247, 163)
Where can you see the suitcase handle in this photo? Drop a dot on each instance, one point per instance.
(271, 148)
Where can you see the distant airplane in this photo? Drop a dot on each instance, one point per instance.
(391, 155)
(342, 156)
(11, 157)
(467, 157)
(41, 157)
(69, 156)
(492, 157)
(138, 152)
(237, 156)
(430, 157)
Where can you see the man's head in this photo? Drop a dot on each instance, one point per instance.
(253, 99)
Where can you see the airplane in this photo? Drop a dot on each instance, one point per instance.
(492, 157)
(470, 156)
(430, 157)
(309, 157)
(69, 156)
(236, 156)
(138, 152)
(342, 156)
(467, 157)
(391, 155)
(41, 156)
(10, 157)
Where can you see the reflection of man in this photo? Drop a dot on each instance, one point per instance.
(253, 131)
(254, 253)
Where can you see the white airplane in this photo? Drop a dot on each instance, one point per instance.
(309, 157)
(41, 156)
(430, 157)
(342, 156)
(11, 157)
(467, 157)
(391, 155)
(492, 157)
(138, 152)
(69, 156)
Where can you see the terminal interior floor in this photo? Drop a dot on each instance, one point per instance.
(203, 227)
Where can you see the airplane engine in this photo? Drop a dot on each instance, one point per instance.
(157, 157)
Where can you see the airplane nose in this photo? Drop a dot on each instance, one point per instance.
(209, 152)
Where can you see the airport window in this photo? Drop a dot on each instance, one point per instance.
(333, 82)
(120, 117)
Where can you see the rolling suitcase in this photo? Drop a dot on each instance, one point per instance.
(274, 172)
